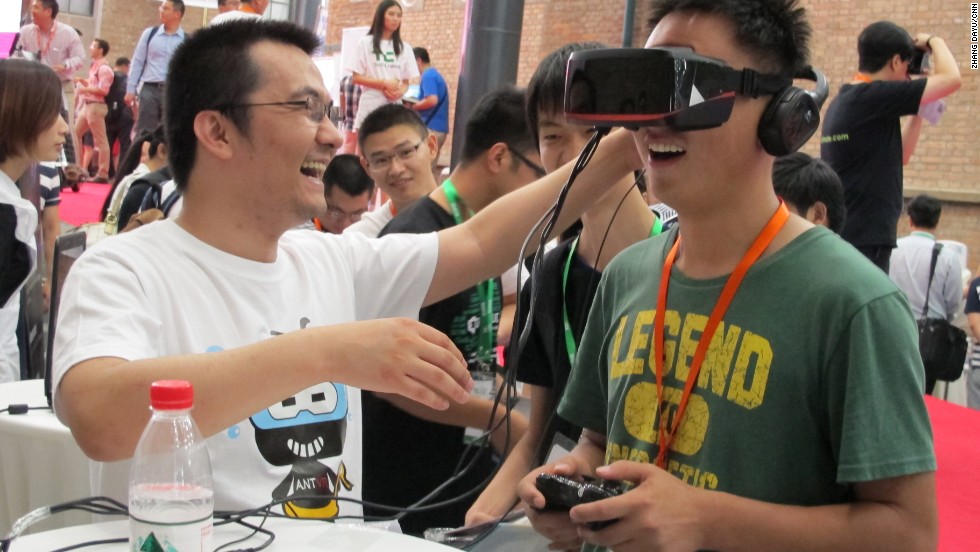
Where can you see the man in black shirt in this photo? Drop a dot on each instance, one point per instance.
(863, 140)
(409, 450)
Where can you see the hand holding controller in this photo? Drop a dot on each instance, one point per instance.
(562, 493)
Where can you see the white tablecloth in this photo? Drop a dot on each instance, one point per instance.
(291, 535)
(40, 464)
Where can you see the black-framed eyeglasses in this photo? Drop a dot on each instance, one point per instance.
(337, 214)
(316, 107)
(404, 154)
(538, 169)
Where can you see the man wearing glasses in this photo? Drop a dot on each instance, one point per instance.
(397, 152)
(277, 330)
(401, 436)
(149, 68)
(348, 190)
(863, 140)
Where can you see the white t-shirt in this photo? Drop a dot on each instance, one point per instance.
(372, 222)
(159, 291)
(24, 232)
(380, 66)
(233, 15)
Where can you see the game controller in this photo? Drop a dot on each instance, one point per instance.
(561, 494)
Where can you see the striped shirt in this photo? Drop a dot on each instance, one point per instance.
(59, 47)
(352, 97)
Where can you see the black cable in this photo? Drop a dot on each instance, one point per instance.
(19, 409)
(91, 543)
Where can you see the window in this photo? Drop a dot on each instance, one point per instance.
(77, 7)
(278, 10)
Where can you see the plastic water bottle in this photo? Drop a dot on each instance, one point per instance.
(171, 495)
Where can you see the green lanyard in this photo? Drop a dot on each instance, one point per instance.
(484, 290)
(570, 345)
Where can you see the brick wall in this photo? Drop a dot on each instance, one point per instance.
(123, 21)
(946, 161)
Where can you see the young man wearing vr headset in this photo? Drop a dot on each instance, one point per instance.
(862, 137)
(751, 413)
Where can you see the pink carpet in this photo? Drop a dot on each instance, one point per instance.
(83, 206)
(956, 431)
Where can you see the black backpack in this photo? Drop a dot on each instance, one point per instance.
(115, 98)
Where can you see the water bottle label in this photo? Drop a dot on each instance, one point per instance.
(191, 536)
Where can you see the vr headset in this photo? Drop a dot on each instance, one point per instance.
(681, 90)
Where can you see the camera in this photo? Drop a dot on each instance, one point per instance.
(918, 62)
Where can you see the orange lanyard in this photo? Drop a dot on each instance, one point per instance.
(318, 224)
(760, 244)
(862, 77)
(42, 48)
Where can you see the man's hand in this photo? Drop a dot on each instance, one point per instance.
(557, 527)
(921, 41)
(129, 99)
(413, 360)
(659, 513)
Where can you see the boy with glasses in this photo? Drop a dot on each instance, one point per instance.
(348, 190)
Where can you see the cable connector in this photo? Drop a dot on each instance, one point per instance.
(17, 409)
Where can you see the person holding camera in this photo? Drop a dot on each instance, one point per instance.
(863, 140)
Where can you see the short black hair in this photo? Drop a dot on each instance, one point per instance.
(497, 117)
(122, 60)
(53, 6)
(546, 91)
(802, 180)
(346, 172)
(421, 53)
(104, 45)
(178, 6)
(389, 116)
(776, 32)
(213, 69)
(879, 42)
(924, 210)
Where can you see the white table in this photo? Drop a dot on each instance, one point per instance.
(40, 464)
(292, 535)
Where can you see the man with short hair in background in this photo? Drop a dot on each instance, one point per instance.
(92, 94)
(150, 60)
(863, 139)
(56, 45)
(348, 190)
(911, 262)
(119, 121)
(433, 104)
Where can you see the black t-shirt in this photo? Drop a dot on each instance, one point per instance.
(862, 142)
(406, 457)
(544, 360)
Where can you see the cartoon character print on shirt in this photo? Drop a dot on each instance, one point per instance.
(298, 431)
(735, 369)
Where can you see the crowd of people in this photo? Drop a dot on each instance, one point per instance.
(343, 347)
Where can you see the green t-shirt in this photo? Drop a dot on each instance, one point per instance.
(812, 381)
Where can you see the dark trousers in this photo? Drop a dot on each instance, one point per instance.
(880, 255)
(150, 108)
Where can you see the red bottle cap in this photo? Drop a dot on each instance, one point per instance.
(171, 395)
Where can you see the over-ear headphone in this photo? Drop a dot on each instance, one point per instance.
(793, 115)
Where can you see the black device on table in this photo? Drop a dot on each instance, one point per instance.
(561, 494)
